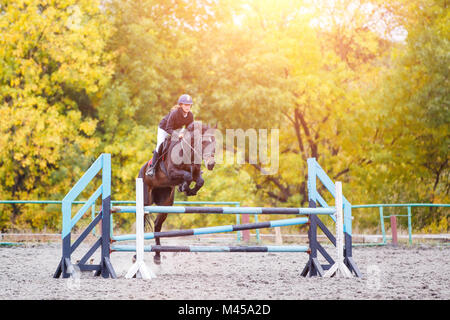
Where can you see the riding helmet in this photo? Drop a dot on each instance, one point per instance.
(185, 99)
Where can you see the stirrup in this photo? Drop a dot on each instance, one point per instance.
(150, 171)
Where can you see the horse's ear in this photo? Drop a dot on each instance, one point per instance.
(215, 127)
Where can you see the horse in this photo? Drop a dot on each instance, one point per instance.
(180, 166)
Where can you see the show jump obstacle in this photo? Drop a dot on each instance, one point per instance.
(341, 214)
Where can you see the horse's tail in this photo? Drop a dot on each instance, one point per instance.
(142, 171)
(149, 222)
(148, 218)
(142, 176)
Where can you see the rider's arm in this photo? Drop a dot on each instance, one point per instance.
(190, 120)
(172, 122)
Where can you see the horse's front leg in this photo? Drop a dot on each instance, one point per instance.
(180, 175)
(199, 182)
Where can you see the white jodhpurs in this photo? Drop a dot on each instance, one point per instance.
(160, 138)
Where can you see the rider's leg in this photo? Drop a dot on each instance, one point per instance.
(152, 167)
(162, 134)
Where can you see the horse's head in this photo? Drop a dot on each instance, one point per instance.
(205, 134)
(209, 147)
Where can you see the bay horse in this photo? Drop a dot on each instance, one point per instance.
(180, 166)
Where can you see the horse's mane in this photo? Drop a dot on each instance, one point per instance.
(191, 126)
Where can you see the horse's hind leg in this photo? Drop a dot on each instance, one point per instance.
(162, 197)
(158, 224)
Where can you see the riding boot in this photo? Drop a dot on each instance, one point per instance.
(152, 168)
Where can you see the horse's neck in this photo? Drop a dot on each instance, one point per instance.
(185, 146)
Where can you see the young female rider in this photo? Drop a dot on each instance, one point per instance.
(178, 117)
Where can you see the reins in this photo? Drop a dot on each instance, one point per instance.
(195, 146)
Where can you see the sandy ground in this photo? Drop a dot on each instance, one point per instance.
(404, 273)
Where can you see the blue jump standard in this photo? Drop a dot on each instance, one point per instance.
(219, 229)
(226, 210)
(132, 248)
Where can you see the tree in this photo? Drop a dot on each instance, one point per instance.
(297, 67)
(52, 70)
(413, 114)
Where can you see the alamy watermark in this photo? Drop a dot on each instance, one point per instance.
(74, 281)
(373, 276)
(259, 147)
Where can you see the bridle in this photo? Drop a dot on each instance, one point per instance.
(203, 156)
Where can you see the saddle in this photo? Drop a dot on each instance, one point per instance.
(162, 152)
(163, 148)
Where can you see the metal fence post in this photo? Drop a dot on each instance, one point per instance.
(383, 231)
(409, 225)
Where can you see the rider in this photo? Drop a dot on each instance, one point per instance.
(179, 116)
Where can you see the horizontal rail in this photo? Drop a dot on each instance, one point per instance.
(222, 203)
(226, 203)
(401, 205)
(211, 230)
(226, 210)
(155, 248)
(10, 244)
(115, 202)
(33, 201)
(396, 215)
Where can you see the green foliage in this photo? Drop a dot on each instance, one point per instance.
(53, 67)
(440, 226)
(409, 145)
(78, 78)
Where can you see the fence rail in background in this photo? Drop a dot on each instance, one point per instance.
(393, 219)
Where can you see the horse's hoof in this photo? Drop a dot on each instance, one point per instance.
(157, 260)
